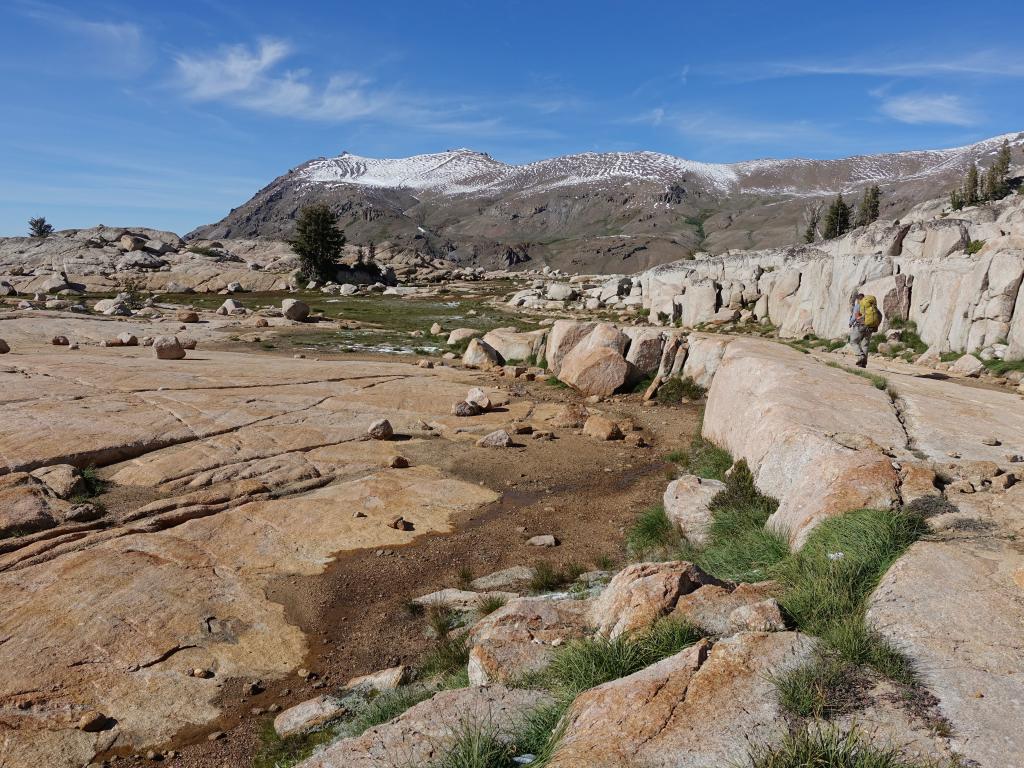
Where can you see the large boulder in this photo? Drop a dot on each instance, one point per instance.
(422, 734)
(480, 354)
(514, 345)
(521, 636)
(563, 336)
(293, 309)
(642, 593)
(461, 334)
(705, 706)
(560, 292)
(595, 371)
(794, 421)
(645, 348)
(968, 365)
(687, 501)
(63, 480)
(704, 353)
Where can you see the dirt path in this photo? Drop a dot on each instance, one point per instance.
(354, 614)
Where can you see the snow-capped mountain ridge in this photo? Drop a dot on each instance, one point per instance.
(466, 172)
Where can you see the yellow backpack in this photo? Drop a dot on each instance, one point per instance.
(872, 318)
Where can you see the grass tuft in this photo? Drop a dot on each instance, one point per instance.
(385, 706)
(740, 547)
(583, 664)
(824, 747)
(476, 745)
(821, 688)
(703, 458)
(447, 656)
(275, 752)
(548, 578)
(652, 532)
(827, 583)
(489, 604)
(675, 389)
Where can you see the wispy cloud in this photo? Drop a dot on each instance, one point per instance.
(256, 78)
(119, 47)
(729, 129)
(252, 78)
(988, 63)
(920, 108)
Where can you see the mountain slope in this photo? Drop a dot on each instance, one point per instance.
(618, 211)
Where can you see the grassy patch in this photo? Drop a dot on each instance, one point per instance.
(824, 747)
(548, 578)
(1003, 367)
(652, 531)
(878, 382)
(739, 546)
(446, 657)
(822, 688)
(465, 577)
(975, 245)
(275, 752)
(827, 583)
(583, 664)
(703, 458)
(675, 388)
(489, 604)
(476, 745)
(383, 707)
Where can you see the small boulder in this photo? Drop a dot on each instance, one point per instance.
(968, 365)
(479, 398)
(686, 503)
(544, 540)
(60, 341)
(4, 347)
(381, 429)
(466, 409)
(384, 680)
(128, 340)
(63, 479)
(496, 439)
(308, 715)
(187, 316)
(601, 428)
(168, 348)
(436, 329)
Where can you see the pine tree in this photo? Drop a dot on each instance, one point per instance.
(971, 183)
(837, 220)
(38, 227)
(869, 205)
(956, 199)
(997, 179)
(318, 241)
(372, 252)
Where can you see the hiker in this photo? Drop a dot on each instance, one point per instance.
(864, 321)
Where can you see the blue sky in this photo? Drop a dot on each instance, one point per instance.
(169, 114)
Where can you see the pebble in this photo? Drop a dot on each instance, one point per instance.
(216, 736)
(990, 441)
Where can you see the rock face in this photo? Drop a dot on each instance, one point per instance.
(640, 594)
(686, 503)
(521, 636)
(424, 732)
(786, 416)
(919, 271)
(683, 711)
